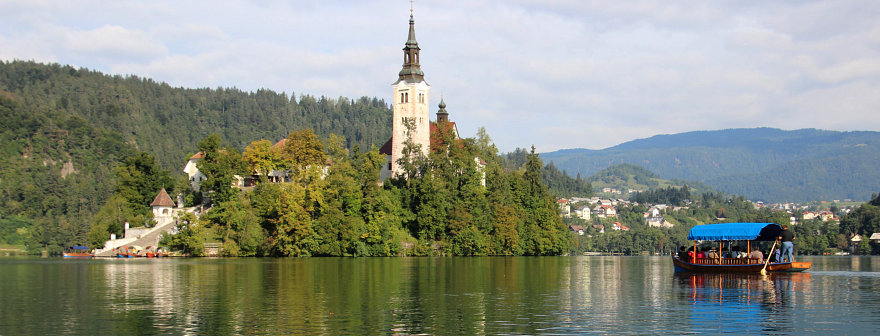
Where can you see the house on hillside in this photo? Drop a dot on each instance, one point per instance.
(583, 212)
(658, 221)
(192, 171)
(605, 211)
(617, 226)
(274, 176)
(196, 177)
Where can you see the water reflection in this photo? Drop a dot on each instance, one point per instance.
(471, 296)
(748, 303)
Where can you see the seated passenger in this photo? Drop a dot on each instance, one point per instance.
(712, 254)
(743, 253)
(734, 253)
(757, 254)
(682, 253)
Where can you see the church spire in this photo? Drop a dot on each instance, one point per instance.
(411, 72)
(442, 115)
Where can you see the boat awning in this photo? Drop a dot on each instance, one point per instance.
(735, 231)
(78, 247)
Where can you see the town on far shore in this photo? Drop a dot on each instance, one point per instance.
(601, 212)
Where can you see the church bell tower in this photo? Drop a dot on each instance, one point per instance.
(411, 94)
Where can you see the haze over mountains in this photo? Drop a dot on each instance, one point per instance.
(765, 164)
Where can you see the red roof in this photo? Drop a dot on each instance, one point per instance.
(162, 199)
(280, 143)
(197, 156)
(386, 148)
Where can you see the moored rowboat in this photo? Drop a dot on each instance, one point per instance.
(78, 252)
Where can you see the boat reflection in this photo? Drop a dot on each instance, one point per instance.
(750, 303)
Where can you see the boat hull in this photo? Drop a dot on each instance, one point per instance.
(683, 266)
(78, 255)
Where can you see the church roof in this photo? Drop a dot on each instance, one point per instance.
(162, 199)
(386, 148)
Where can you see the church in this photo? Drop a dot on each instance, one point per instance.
(411, 97)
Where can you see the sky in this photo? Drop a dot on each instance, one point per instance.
(555, 74)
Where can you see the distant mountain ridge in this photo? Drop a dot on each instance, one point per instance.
(760, 163)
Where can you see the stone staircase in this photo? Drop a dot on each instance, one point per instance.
(143, 237)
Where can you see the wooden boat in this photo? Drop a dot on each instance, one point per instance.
(127, 252)
(81, 252)
(735, 232)
(150, 252)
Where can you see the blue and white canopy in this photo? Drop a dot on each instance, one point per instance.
(735, 231)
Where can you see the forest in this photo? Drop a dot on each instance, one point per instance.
(75, 143)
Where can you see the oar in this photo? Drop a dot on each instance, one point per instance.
(764, 270)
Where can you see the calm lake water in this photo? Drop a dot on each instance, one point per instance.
(441, 296)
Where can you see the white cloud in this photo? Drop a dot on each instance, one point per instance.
(557, 74)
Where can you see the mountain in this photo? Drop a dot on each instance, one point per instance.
(760, 163)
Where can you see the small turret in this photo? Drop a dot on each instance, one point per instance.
(442, 115)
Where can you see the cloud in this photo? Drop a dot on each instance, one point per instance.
(557, 74)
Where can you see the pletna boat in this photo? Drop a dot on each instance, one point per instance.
(77, 252)
(727, 232)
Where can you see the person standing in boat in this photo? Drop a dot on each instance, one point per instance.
(787, 238)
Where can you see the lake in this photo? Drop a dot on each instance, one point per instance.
(438, 296)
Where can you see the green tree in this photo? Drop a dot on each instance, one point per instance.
(110, 220)
(262, 158)
(139, 180)
(220, 164)
(190, 237)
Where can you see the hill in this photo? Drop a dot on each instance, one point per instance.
(760, 163)
(168, 121)
(626, 176)
(63, 132)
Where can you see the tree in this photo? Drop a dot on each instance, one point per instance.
(262, 158)
(140, 178)
(220, 164)
(189, 238)
(301, 149)
(110, 219)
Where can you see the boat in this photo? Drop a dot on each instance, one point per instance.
(81, 252)
(127, 252)
(727, 232)
(150, 252)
